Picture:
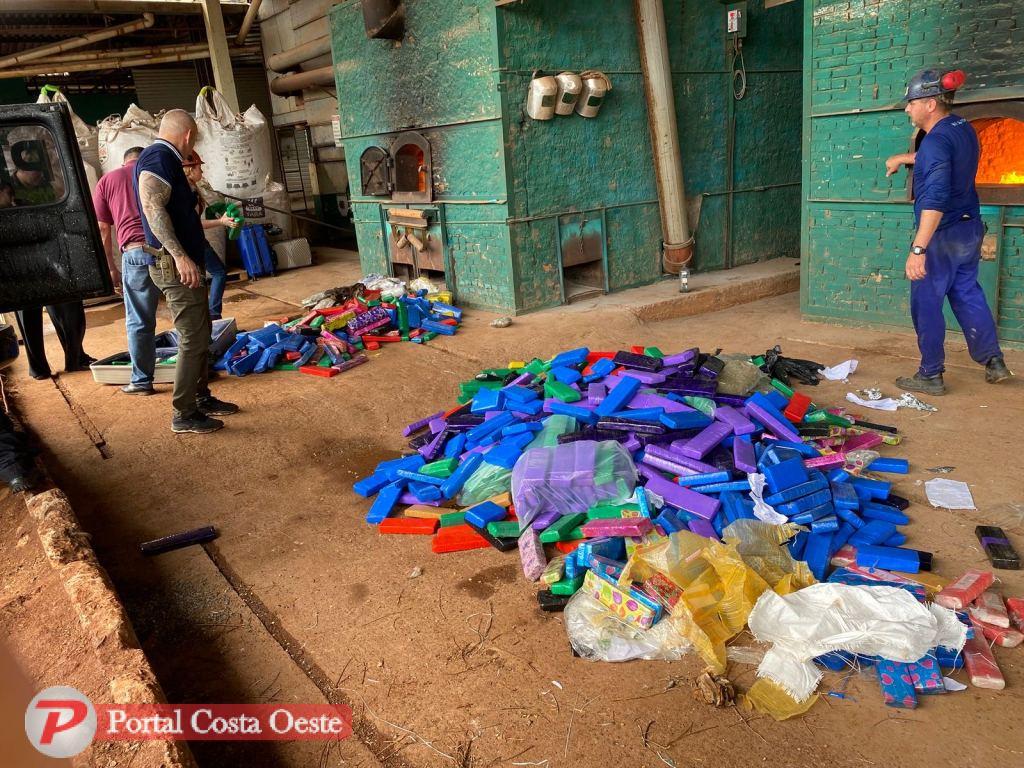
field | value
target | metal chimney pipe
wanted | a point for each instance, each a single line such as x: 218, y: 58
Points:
x: 78, y: 42
x: 678, y: 242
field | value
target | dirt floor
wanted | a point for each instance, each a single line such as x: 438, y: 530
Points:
x: 300, y: 600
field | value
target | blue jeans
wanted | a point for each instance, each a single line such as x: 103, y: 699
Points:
x: 951, y: 264
x: 218, y: 277
x: 140, y: 302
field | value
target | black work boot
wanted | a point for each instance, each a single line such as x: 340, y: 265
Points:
x: 926, y: 385
x: 996, y: 371
x: 209, y: 405
x: 197, y: 422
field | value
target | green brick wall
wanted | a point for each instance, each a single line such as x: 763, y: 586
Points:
x: 461, y: 75
x: 857, y: 224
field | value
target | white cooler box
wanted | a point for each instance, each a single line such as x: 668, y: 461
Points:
x: 292, y: 253
x: 117, y: 369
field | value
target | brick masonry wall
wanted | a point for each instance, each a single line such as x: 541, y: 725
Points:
x: 858, y: 223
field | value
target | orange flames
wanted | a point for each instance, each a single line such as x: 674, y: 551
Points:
x: 1002, y: 150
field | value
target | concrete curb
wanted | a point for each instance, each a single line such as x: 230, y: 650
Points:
x: 103, y: 617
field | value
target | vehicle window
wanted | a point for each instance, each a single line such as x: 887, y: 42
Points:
x: 30, y: 168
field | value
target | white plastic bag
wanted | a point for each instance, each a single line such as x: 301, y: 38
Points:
x: 597, y: 634
x: 117, y: 134
x: 235, y: 148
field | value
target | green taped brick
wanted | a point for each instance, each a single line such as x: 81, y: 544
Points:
x: 560, y: 391
x: 535, y: 366
x: 653, y: 352
x: 442, y: 468
x: 453, y: 518
x: 787, y: 391
x: 567, y: 586
x: 563, y: 529
x: 374, y: 303
x: 758, y: 361
x: 703, y: 404
x: 292, y: 323
x: 827, y: 418
x: 285, y: 367
x: 610, y: 511
x: 317, y: 321
x: 503, y: 529
x: 428, y: 336
x: 325, y: 362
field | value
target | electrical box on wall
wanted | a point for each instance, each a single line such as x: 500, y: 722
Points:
x: 736, y: 19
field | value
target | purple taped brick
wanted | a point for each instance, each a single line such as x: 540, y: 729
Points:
x: 681, y: 465
x: 706, y: 441
x: 546, y: 520
x: 702, y: 528
x: 666, y: 465
x: 679, y: 497
x: 436, y: 425
x: 739, y: 423
x: 430, y: 451
x: 675, y: 451
x: 733, y: 401
x: 633, y: 361
x: 410, y: 498
x: 680, y: 358
x: 777, y: 426
x: 531, y: 554
x: 744, y: 456
x: 596, y: 392
x: 418, y: 425
x: 632, y: 443
x: 648, y: 400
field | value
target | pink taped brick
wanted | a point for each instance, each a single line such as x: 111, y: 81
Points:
x: 828, y: 461
x: 964, y: 590
x: 531, y: 553
x: 862, y: 442
x: 1015, y: 608
x: 981, y: 664
x: 1004, y: 637
x: 989, y: 609
x: 635, y: 526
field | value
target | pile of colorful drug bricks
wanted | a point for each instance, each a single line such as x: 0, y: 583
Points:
x: 326, y: 342
x: 693, y: 447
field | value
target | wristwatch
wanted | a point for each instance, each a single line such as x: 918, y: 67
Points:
x: 918, y: 250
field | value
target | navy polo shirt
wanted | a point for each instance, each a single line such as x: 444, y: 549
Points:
x: 163, y: 160
x: 944, y: 171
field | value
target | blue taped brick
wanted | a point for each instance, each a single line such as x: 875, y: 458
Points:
x: 484, y: 513
x: 875, y: 511
x: 848, y: 516
x: 873, y: 532
x: 841, y: 536
x: 504, y: 456
x: 425, y: 492
x: 735, y: 485
x: 888, y: 558
x: 619, y: 397
x: 640, y: 414
x: 949, y: 658
x: 844, y: 496
x: 461, y: 474
x: 565, y: 375
x: 805, y: 503
x: 704, y: 478
x: 456, y: 446
x: 532, y: 407
x: 871, y: 489
x: 839, y: 475
x: 488, y: 400
x: 417, y: 477
x: 805, y: 450
x: 385, y: 502
x: 785, y: 475
x: 572, y: 357
x: 599, y: 370
x: 837, y: 661
x: 817, y: 553
x: 669, y: 522
x: 817, y: 482
x: 685, y: 420
x: 370, y: 485
x: 584, y: 415
x: 805, y: 516
x: 825, y: 524
x: 798, y: 544
x: 390, y: 468
x: 519, y: 394
x: 896, y: 540
x: 889, y: 464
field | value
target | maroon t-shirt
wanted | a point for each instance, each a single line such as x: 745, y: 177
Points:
x: 115, y: 204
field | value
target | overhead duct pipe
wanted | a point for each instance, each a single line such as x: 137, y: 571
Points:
x: 123, y: 53
x: 78, y: 42
x: 678, y: 242
x: 114, y: 6
x: 287, y: 84
x: 47, y: 68
x: 250, y: 17
x: 293, y: 57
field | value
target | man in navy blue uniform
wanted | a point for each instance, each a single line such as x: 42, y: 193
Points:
x: 175, y: 241
x: 946, y: 250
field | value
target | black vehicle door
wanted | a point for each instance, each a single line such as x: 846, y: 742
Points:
x: 50, y: 247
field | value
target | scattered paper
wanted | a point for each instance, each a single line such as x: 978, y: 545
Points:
x: 951, y: 494
x: 762, y: 509
x: 908, y: 400
x: 953, y: 685
x: 840, y: 372
x: 885, y: 404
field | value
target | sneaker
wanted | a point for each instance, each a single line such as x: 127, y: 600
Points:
x: 211, y: 406
x: 197, y: 422
x: 138, y: 389
x: 926, y: 385
x: 996, y: 371
x: 20, y: 484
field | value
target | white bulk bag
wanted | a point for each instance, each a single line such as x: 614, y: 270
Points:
x: 236, y: 149
x: 117, y: 134
x: 84, y: 133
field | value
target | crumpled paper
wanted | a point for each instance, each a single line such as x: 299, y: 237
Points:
x: 874, y: 621
x: 762, y: 509
x: 951, y: 494
x: 840, y: 372
x: 880, y: 404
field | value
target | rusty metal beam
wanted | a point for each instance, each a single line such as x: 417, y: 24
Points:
x: 169, y: 7
x: 46, y: 68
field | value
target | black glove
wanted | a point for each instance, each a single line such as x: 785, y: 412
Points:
x: 785, y: 368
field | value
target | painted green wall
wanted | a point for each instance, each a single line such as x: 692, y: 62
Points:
x: 461, y: 76
x: 857, y: 223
